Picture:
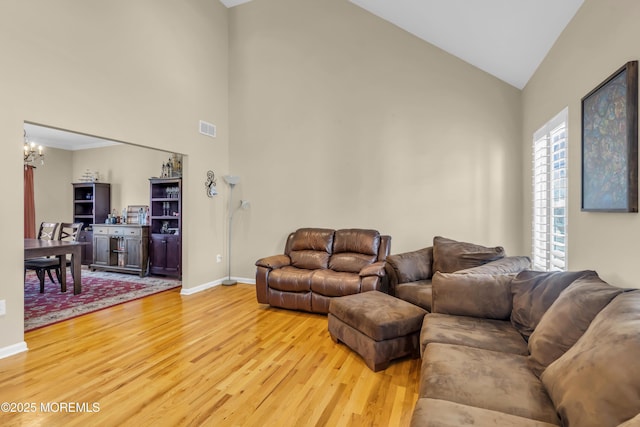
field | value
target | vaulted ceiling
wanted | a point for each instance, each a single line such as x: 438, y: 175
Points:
x: 506, y: 38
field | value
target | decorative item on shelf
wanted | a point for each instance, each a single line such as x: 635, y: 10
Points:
x: 31, y: 154
x: 136, y: 214
x: 176, y: 163
x: 165, y: 227
x: 173, y: 167
x: 210, y: 184
x: 89, y: 176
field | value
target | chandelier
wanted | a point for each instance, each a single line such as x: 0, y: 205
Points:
x: 32, y: 153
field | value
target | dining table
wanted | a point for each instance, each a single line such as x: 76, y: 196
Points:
x: 35, y: 248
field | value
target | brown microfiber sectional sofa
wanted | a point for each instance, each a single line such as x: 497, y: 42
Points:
x: 534, y: 349
x: 410, y: 273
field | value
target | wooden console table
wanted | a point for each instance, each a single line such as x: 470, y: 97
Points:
x: 121, y: 247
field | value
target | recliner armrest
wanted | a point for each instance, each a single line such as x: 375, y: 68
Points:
x: 274, y: 261
x: 375, y: 269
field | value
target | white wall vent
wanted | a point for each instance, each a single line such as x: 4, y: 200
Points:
x: 207, y: 129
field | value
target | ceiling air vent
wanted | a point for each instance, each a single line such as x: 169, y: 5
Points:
x: 207, y: 129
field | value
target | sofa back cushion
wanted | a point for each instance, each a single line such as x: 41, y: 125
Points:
x: 354, y: 249
x: 567, y: 319
x: 310, y: 248
x: 597, y: 381
x: 450, y: 256
x: 534, y: 292
x: 506, y: 265
x: 475, y: 295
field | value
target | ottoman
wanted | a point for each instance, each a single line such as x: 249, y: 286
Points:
x: 377, y: 326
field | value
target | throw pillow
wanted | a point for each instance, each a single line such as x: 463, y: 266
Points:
x: 534, y: 292
x: 450, y: 255
x: 474, y: 295
x: 567, y: 319
x: 597, y: 381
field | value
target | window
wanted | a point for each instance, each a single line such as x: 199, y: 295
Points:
x: 549, y: 228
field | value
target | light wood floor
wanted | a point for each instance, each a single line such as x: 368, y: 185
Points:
x: 215, y: 358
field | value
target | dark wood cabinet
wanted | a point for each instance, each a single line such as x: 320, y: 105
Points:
x: 91, y: 205
x: 164, y: 256
x: 165, y: 223
x: 121, y: 247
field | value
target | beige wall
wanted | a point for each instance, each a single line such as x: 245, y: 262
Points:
x: 339, y: 119
x: 602, y: 37
x: 126, y: 167
x: 52, y: 187
x: 141, y: 72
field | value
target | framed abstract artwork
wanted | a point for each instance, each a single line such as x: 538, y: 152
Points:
x: 610, y: 143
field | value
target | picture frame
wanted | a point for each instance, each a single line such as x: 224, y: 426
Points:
x: 610, y: 143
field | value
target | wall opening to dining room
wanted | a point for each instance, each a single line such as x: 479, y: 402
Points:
x: 72, y: 157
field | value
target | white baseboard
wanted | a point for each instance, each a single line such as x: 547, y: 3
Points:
x: 205, y: 286
x: 13, y: 349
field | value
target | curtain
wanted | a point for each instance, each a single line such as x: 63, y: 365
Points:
x: 29, y: 204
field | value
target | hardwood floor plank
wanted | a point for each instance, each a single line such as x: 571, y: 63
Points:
x: 214, y: 358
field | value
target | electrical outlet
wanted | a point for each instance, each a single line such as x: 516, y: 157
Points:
x: 219, y: 258
x: 3, y: 307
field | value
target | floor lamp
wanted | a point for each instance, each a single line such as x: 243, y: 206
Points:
x: 232, y: 180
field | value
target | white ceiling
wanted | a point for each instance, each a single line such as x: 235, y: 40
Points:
x: 506, y: 38
x: 62, y: 139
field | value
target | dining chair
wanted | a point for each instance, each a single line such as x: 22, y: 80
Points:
x: 69, y: 232
x: 47, y: 231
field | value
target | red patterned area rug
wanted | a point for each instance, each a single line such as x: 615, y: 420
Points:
x: 99, y: 290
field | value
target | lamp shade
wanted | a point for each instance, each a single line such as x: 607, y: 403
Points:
x: 231, y: 179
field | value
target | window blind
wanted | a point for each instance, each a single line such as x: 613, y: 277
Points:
x: 549, y: 219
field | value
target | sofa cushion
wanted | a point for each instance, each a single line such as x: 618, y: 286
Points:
x: 442, y: 413
x: 450, y: 255
x: 310, y: 248
x: 418, y: 293
x: 597, y: 381
x: 310, y: 260
x: 485, y: 379
x: 291, y: 279
x: 350, y: 262
x: 506, y: 265
x: 534, y: 292
x: 567, y: 319
x: 412, y: 266
x: 476, y: 295
x: 315, y: 239
x: 496, y: 335
x: 334, y: 283
x: 357, y: 240
x: 354, y: 249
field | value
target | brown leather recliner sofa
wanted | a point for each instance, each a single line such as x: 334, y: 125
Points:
x: 410, y: 274
x: 319, y: 264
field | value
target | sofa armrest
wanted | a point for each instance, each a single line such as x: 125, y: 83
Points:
x: 485, y: 296
x: 409, y: 267
x: 274, y: 261
x: 375, y: 269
